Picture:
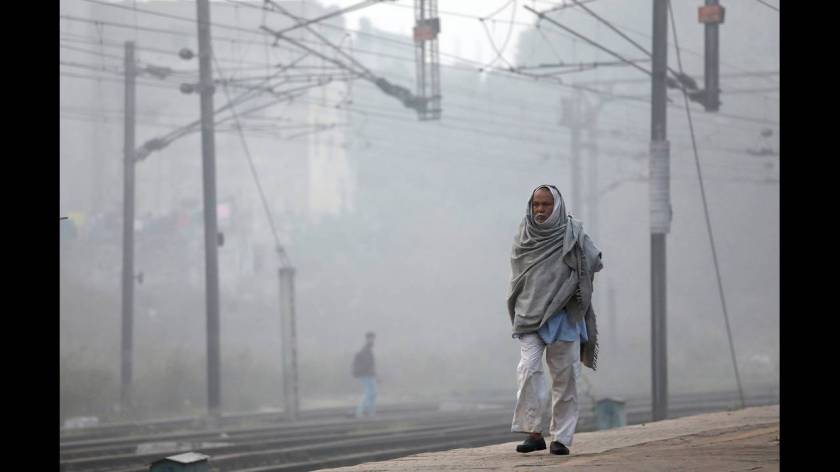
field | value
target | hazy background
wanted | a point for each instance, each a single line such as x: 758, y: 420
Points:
x: 403, y: 226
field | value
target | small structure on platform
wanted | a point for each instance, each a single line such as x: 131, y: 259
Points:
x: 610, y: 413
x: 186, y: 462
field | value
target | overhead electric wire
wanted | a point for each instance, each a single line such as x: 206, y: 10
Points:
x: 571, y: 68
x: 88, y: 51
x: 547, y: 41
x: 686, y: 50
x: 297, y: 66
x: 365, y: 71
x: 195, y: 72
x: 114, y: 70
x: 278, y: 97
x: 115, y: 80
x: 579, y: 64
x: 264, y: 88
x: 750, y: 91
x: 543, y: 16
x: 384, y: 112
x: 736, y: 75
x: 768, y: 5
x: 387, y: 116
x: 400, y: 146
x: 499, y: 51
x: 279, y: 248
x: 565, y: 5
x: 504, y: 124
x: 499, y: 72
x: 193, y: 126
x: 307, y: 22
x: 237, y: 28
x: 171, y: 16
x: 677, y: 75
x: 143, y: 67
x: 173, y: 32
x: 383, y: 137
x: 115, y: 45
x: 639, y: 99
x: 485, y: 127
x: 467, y: 16
x: 619, y: 32
x: 477, y: 64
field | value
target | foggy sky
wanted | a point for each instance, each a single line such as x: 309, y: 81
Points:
x: 405, y: 227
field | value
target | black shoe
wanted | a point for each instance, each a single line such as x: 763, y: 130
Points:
x: 530, y: 445
x: 558, y: 448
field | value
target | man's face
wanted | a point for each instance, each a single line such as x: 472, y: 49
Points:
x: 370, y: 340
x: 542, y: 205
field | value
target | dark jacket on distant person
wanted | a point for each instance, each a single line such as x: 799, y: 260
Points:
x: 363, y: 363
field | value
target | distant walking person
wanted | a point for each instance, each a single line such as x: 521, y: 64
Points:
x: 553, y: 266
x: 363, y: 369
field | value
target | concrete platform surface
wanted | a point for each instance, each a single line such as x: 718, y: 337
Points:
x: 742, y: 440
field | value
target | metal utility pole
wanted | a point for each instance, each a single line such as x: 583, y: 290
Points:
x: 99, y: 194
x: 711, y: 15
x: 288, y: 336
x: 572, y: 119
x: 613, y: 316
x: 592, y: 145
x: 211, y: 236
x: 592, y: 200
x: 128, y: 231
x: 577, y: 182
x: 660, y: 209
x: 578, y: 115
x: 427, y: 57
x: 594, y: 189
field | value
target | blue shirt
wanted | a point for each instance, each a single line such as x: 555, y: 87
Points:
x: 559, y: 328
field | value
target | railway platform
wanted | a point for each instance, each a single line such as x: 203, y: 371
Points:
x: 746, y: 439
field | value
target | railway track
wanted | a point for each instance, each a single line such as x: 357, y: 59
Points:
x: 160, y: 426
x: 320, y: 442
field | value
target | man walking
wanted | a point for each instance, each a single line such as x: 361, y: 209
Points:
x: 363, y: 369
x: 553, y: 266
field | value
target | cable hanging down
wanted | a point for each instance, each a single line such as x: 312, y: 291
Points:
x: 768, y: 5
x: 279, y: 247
x: 499, y: 51
x: 706, y: 213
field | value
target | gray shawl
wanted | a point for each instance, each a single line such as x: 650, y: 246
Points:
x: 553, y: 266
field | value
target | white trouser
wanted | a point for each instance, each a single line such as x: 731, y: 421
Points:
x: 532, y: 398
